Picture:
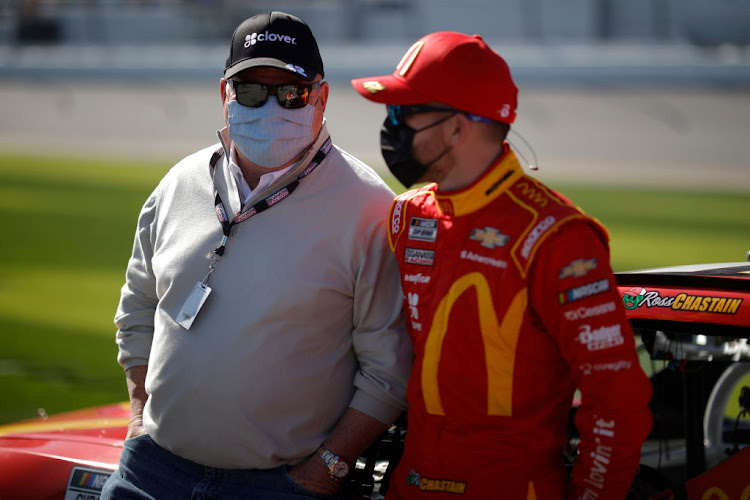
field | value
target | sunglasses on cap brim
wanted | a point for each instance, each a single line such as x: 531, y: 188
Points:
x: 289, y: 95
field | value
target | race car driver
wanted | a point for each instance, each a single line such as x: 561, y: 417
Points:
x: 510, y: 300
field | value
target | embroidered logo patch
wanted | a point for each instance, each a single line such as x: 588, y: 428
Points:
x: 600, y: 338
x: 578, y: 268
x: 489, y: 237
x: 535, y: 234
x: 423, y: 229
x: 398, y: 208
x: 419, y: 256
x: 583, y: 291
x: 373, y: 87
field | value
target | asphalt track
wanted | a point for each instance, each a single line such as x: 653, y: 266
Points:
x: 664, y: 136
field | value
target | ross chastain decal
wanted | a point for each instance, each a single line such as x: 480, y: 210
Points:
x: 583, y: 291
x: 577, y: 268
x: 641, y: 297
x: 435, y: 485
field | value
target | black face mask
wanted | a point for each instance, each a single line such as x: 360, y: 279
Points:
x: 396, y: 144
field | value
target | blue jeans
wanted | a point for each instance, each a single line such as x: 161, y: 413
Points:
x: 148, y: 471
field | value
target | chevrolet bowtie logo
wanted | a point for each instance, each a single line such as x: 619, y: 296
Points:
x: 578, y: 268
x: 489, y: 237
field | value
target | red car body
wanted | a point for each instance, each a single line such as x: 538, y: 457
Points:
x: 66, y: 456
x: 711, y: 298
x: 70, y: 455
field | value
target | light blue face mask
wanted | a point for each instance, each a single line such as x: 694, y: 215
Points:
x: 270, y: 136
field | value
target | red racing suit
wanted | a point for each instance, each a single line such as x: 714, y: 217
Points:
x: 511, y: 305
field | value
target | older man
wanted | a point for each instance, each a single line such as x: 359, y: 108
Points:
x: 260, y: 324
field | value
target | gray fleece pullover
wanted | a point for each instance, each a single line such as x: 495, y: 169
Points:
x: 304, y: 318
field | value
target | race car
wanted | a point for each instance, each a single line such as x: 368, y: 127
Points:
x: 694, y: 324
x: 695, y: 320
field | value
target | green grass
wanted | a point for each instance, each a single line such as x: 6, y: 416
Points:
x: 661, y: 227
x: 68, y: 230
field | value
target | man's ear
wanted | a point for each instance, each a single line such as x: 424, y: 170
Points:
x: 459, y: 132
x: 324, y: 88
x: 223, y: 89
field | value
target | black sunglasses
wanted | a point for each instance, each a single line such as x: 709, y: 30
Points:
x: 290, y: 95
x: 398, y: 112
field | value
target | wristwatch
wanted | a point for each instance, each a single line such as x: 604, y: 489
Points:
x: 337, y: 468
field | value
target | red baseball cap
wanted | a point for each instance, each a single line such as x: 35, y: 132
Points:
x: 455, y: 69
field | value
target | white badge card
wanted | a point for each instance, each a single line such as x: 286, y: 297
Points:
x: 193, y: 305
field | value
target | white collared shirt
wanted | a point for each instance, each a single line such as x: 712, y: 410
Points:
x: 242, y: 185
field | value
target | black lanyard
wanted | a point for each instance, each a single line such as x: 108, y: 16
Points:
x: 201, y: 290
x: 264, y: 204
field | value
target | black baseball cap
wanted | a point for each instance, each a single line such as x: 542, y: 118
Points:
x: 275, y: 39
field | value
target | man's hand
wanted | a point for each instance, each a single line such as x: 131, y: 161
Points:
x: 135, y: 379
x: 312, y: 474
x: 349, y: 439
x: 135, y: 426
